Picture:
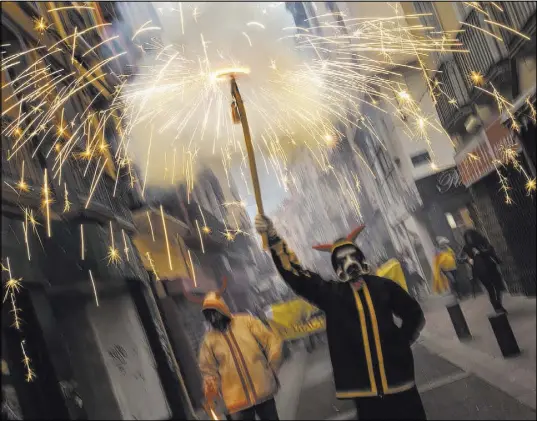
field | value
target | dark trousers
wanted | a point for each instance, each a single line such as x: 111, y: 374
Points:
x: 494, y: 288
x: 399, y: 406
x: 453, y: 282
x: 264, y: 411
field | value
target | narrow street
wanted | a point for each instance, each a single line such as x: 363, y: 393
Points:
x: 448, y: 392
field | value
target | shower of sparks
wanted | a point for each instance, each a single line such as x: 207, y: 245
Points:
x: 25, y: 230
x: 533, y: 112
x: 46, y: 201
x: 477, y: 78
x: 67, y: 204
x: 508, y: 28
x: 152, y: 264
x: 22, y: 186
x: 166, y: 238
x: 205, y: 228
x: 144, y: 28
x: 504, y: 182
x: 510, y: 156
x: 30, y: 374
x: 12, y: 285
x: 82, y: 244
x: 113, y: 253
x: 343, y: 83
x: 40, y: 25
x: 531, y: 185
x: 193, y: 269
x: 125, y: 246
x: 201, y: 237
x: 151, y: 226
x: 147, y: 164
x: 228, y: 235
x: 94, y: 288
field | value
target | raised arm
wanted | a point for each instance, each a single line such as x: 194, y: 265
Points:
x: 308, y: 285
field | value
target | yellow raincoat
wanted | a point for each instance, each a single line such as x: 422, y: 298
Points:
x: 443, y: 261
x: 392, y: 270
x: 240, y: 364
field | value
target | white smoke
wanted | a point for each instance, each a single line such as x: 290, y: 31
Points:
x: 236, y: 34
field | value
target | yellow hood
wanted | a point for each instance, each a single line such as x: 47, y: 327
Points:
x: 214, y: 302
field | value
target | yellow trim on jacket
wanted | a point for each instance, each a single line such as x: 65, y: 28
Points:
x: 386, y: 389
x: 367, y: 348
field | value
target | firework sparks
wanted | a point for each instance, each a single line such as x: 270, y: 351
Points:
x: 150, y: 226
x: 94, y: 288
x: 46, y: 201
x: 166, y: 238
x: 30, y: 374
x: 201, y: 237
x: 192, y: 268
x: 12, y: 285
x: 113, y: 253
x: 66, y: 204
x: 152, y: 264
x: 25, y: 230
x: 125, y: 246
x: 22, y: 186
x: 82, y: 244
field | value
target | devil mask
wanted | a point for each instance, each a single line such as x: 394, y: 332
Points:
x: 347, y: 259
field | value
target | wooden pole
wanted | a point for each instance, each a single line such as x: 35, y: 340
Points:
x: 250, y: 151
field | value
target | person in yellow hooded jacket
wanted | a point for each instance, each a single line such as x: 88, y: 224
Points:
x: 445, y: 268
x: 239, y: 360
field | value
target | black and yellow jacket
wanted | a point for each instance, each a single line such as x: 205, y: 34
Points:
x: 370, y: 354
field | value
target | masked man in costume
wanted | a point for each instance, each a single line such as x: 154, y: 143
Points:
x: 371, y: 356
x: 239, y: 359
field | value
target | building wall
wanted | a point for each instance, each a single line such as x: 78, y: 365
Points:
x: 128, y: 359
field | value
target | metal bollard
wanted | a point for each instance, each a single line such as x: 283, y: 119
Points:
x: 504, y: 335
x: 459, y: 322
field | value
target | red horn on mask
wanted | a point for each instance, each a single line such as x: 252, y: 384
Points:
x: 324, y: 247
x: 352, y: 236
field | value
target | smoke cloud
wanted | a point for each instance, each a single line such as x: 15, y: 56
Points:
x: 223, y: 34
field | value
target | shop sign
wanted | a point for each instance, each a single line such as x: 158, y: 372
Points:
x: 448, y: 180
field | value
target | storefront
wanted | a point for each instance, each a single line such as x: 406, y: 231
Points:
x: 507, y: 217
x: 448, y: 211
x: 447, y: 206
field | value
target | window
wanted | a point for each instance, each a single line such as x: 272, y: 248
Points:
x: 421, y: 159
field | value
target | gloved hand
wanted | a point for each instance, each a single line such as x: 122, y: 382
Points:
x: 264, y: 225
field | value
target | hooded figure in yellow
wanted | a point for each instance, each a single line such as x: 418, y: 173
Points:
x: 239, y: 359
x: 445, y: 267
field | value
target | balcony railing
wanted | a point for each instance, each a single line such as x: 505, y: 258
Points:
x: 516, y: 15
x: 481, y: 57
x: 452, y: 94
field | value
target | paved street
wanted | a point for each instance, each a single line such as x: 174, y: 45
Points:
x: 457, y: 381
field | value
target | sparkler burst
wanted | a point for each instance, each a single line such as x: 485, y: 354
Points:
x: 298, y: 84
